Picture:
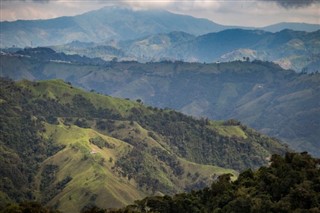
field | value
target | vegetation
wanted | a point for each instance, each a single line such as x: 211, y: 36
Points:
x: 67, y: 148
x: 289, y: 184
x: 30, y: 207
x: 277, y: 102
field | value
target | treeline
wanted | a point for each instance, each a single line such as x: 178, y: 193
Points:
x: 21, y: 146
x: 289, y: 184
x: 196, y: 140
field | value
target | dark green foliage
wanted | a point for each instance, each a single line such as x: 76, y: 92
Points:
x: 232, y: 122
x: 52, y: 120
x: 27, y: 207
x: 92, y: 209
x: 290, y: 184
x: 101, y: 143
x: 54, y: 189
x: 195, y: 140
x: 82, y: 106
x: 169, y: 159
x: 134, y: 165
x: 48, y: 175
x: 47, y: 185
x: 82, y: 122
x: 21, y: 147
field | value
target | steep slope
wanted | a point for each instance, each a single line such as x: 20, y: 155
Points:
x: 154, y: 47
x: 118, y: 23
x: 289, y: 184
x: 105, y: 50
x: 278, y: 102
x: 68, y: 148
x: 149, y: 48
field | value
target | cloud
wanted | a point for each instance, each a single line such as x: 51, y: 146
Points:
x: 293, y: 3
x: 37, y: 1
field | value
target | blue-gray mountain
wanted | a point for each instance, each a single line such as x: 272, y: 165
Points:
x: 292, y: 26
x: 290, y: 49
x: 101, y: 25
x: 118, y: 23
x: 278, y: 102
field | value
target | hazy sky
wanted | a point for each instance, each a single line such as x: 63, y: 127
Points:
x: 229, y: 12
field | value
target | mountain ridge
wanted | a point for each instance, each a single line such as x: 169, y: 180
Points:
x: 111, y: 23
x: 290, y: 49
x: 101, y: 25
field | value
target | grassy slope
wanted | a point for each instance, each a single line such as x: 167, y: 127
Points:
x: 89, y: 166
x: 228, y: 131
x: 92, y: 173
x: 90, y: 169
x: 95, y: 178
x: 59, y: 90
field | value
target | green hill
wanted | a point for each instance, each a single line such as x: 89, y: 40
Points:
x: 289, y: 184
x: 68, y: 148
x: 262, y: 95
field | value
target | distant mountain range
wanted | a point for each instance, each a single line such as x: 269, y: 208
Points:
x: 117, y: 23
x: 278, y: 102
x: 295, y: 50
x: 101, y: 25
x: 292, y: 26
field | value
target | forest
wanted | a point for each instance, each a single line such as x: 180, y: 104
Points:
x: 290, y: 184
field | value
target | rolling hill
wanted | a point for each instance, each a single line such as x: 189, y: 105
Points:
x: 284, y: 186
x: 68, y: 148
x: 280, y: 103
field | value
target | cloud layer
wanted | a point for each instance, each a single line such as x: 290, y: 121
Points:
x: 294, y: 3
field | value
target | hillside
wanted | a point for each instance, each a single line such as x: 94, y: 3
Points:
x: 280, y: 103
x: 68, y: 148
x: 289, y: 184
x: 290, y: 49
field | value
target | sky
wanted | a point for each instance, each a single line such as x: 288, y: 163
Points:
x: 254, y: 13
